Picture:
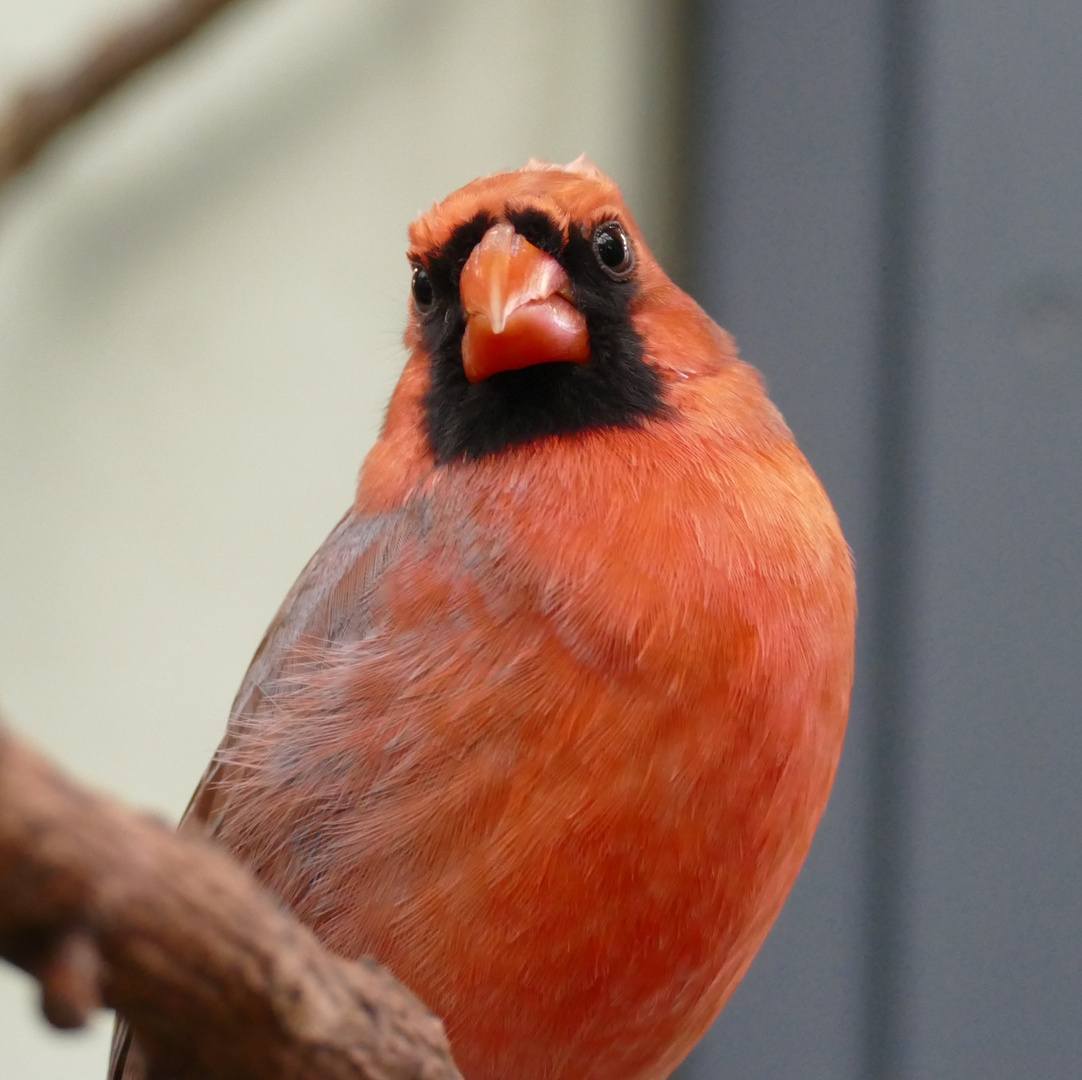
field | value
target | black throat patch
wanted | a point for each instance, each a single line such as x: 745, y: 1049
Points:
x: 617, y: 388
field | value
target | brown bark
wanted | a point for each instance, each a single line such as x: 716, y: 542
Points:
x: 39, y: 113
x: 106, y: 906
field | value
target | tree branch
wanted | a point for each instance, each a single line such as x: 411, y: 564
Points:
x: 103, y: 905
x: 38, y: 114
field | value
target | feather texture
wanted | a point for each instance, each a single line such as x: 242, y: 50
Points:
x: 548, y: 731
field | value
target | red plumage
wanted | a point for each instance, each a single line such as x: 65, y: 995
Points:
x: 547, y: 730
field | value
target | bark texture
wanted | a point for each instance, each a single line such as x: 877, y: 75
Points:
x: 105, y: 906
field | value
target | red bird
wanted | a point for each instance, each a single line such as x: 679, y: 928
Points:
x: 548, y: 722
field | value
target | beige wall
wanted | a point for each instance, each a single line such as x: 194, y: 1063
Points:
x: 201, y: 297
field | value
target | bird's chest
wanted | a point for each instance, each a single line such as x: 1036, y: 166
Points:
x: 607, y: 877
x: 576, y: 772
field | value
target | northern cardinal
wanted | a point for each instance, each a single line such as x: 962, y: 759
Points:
x: 547, y: 723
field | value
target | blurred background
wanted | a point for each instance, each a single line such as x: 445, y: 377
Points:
x: 202, y: 291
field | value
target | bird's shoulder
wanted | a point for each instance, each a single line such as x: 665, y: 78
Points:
x: 329, y: 603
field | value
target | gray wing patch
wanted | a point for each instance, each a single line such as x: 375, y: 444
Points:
x: 330, y: 602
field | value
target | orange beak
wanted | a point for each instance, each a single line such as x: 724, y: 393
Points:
x: 519, y: 308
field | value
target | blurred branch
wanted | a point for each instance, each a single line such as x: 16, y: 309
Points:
x: 105, y: 906
x: 39, y: 113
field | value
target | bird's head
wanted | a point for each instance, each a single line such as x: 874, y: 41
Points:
x: 531, y: 312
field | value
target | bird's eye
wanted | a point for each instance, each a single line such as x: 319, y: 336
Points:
x: 423, y: 295
x: 613, y: 250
